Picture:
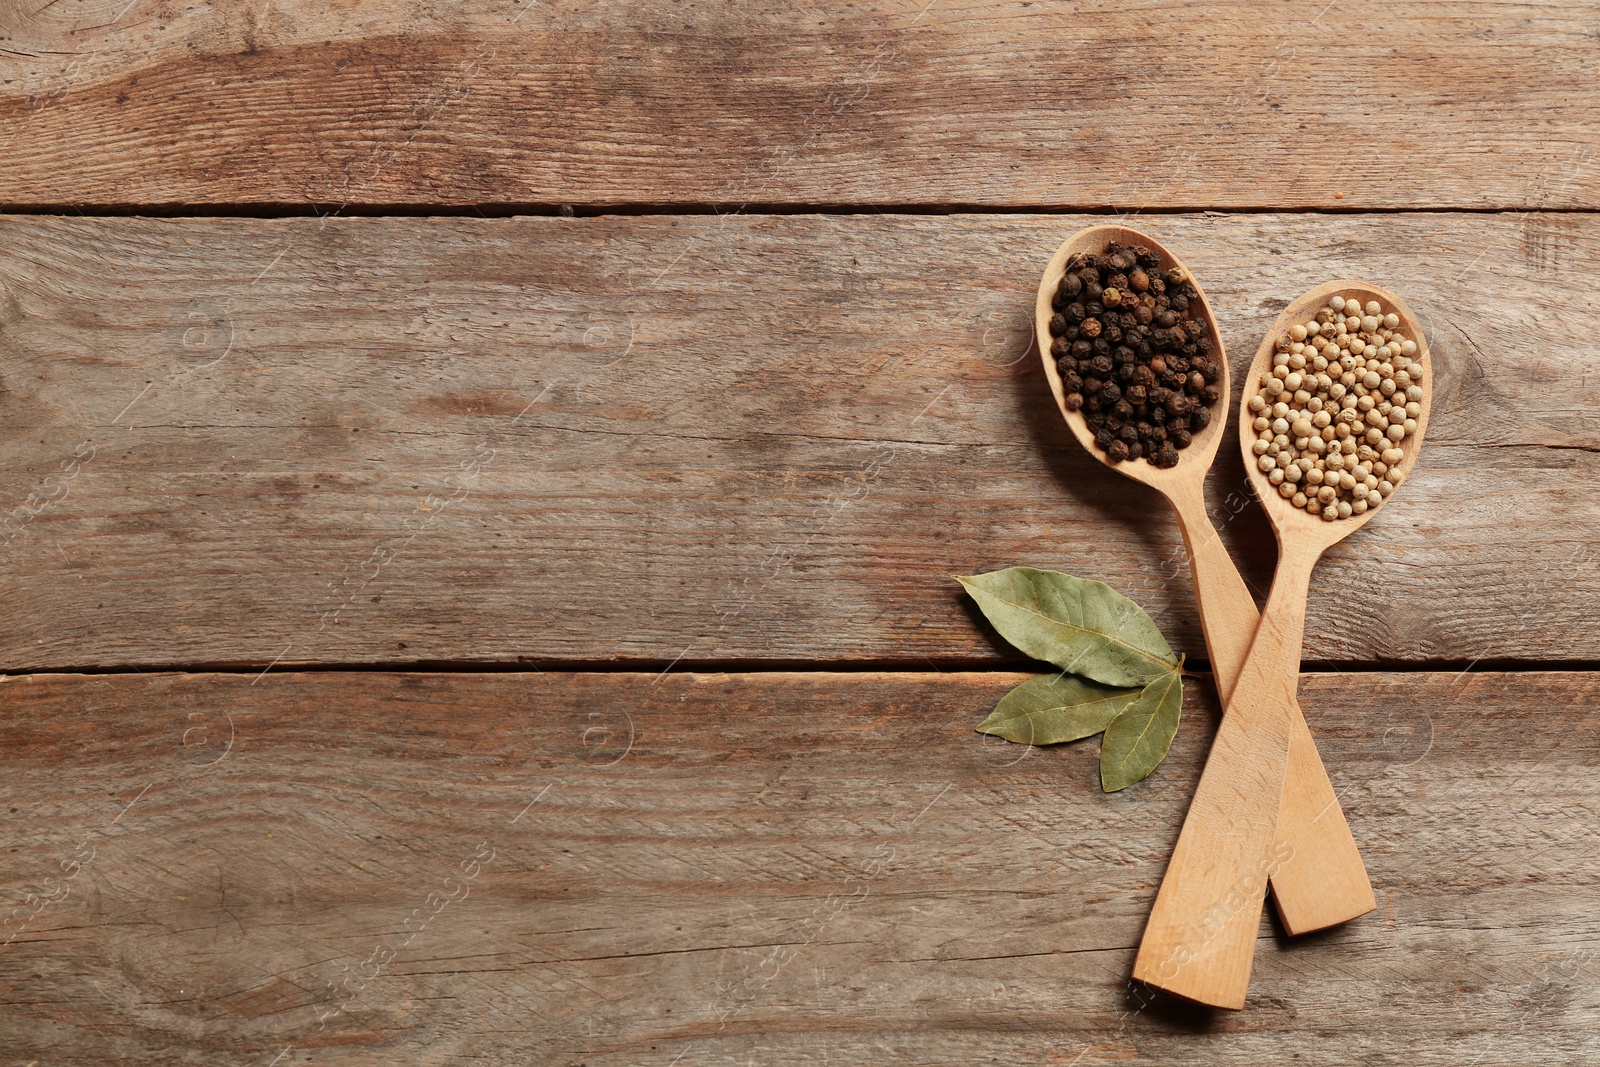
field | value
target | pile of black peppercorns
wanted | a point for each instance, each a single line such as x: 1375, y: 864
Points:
x: 1143, y: 372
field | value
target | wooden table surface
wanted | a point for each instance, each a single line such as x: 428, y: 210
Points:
x: 479, y: 485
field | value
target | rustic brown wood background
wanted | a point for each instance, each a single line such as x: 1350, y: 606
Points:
x: 479, y: 485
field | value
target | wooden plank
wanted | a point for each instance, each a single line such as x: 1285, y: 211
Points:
x: 777, y: 868
x: 403, y: 440
x: 1437, y: 104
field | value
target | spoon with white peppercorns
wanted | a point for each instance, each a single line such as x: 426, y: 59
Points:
x: 1345, y: 403
x: 1327, y: 883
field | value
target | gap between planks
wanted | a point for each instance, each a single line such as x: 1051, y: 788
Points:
x: 1193, y: 667
x: 515, y: 209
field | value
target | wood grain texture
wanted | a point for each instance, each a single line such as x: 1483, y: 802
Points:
x: 1438, y: 104
x: 224, y: 441
x: 733, y: 868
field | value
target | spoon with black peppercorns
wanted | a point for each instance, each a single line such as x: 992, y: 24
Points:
x: 1158, y: 340
x: 1336, y: 406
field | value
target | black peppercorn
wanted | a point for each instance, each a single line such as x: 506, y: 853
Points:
x: 1130, y: 358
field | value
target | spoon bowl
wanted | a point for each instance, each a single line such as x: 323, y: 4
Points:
x: 1200, y: 453
x: 1312, y: 531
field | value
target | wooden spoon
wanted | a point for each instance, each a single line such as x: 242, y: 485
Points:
x: 1325, y: 882
x: 1200, y: 940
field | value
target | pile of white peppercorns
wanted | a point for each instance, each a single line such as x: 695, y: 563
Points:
x: 1343, y: 393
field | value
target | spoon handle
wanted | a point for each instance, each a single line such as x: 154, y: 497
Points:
x: 1325, y: 883
x: 1201, y: 938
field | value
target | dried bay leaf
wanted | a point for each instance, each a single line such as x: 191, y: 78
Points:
x: 1055, y: 708
x: 1082, y: 626
x: 1138, y: 739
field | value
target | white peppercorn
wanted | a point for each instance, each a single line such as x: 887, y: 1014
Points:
x: 1343, y: 394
